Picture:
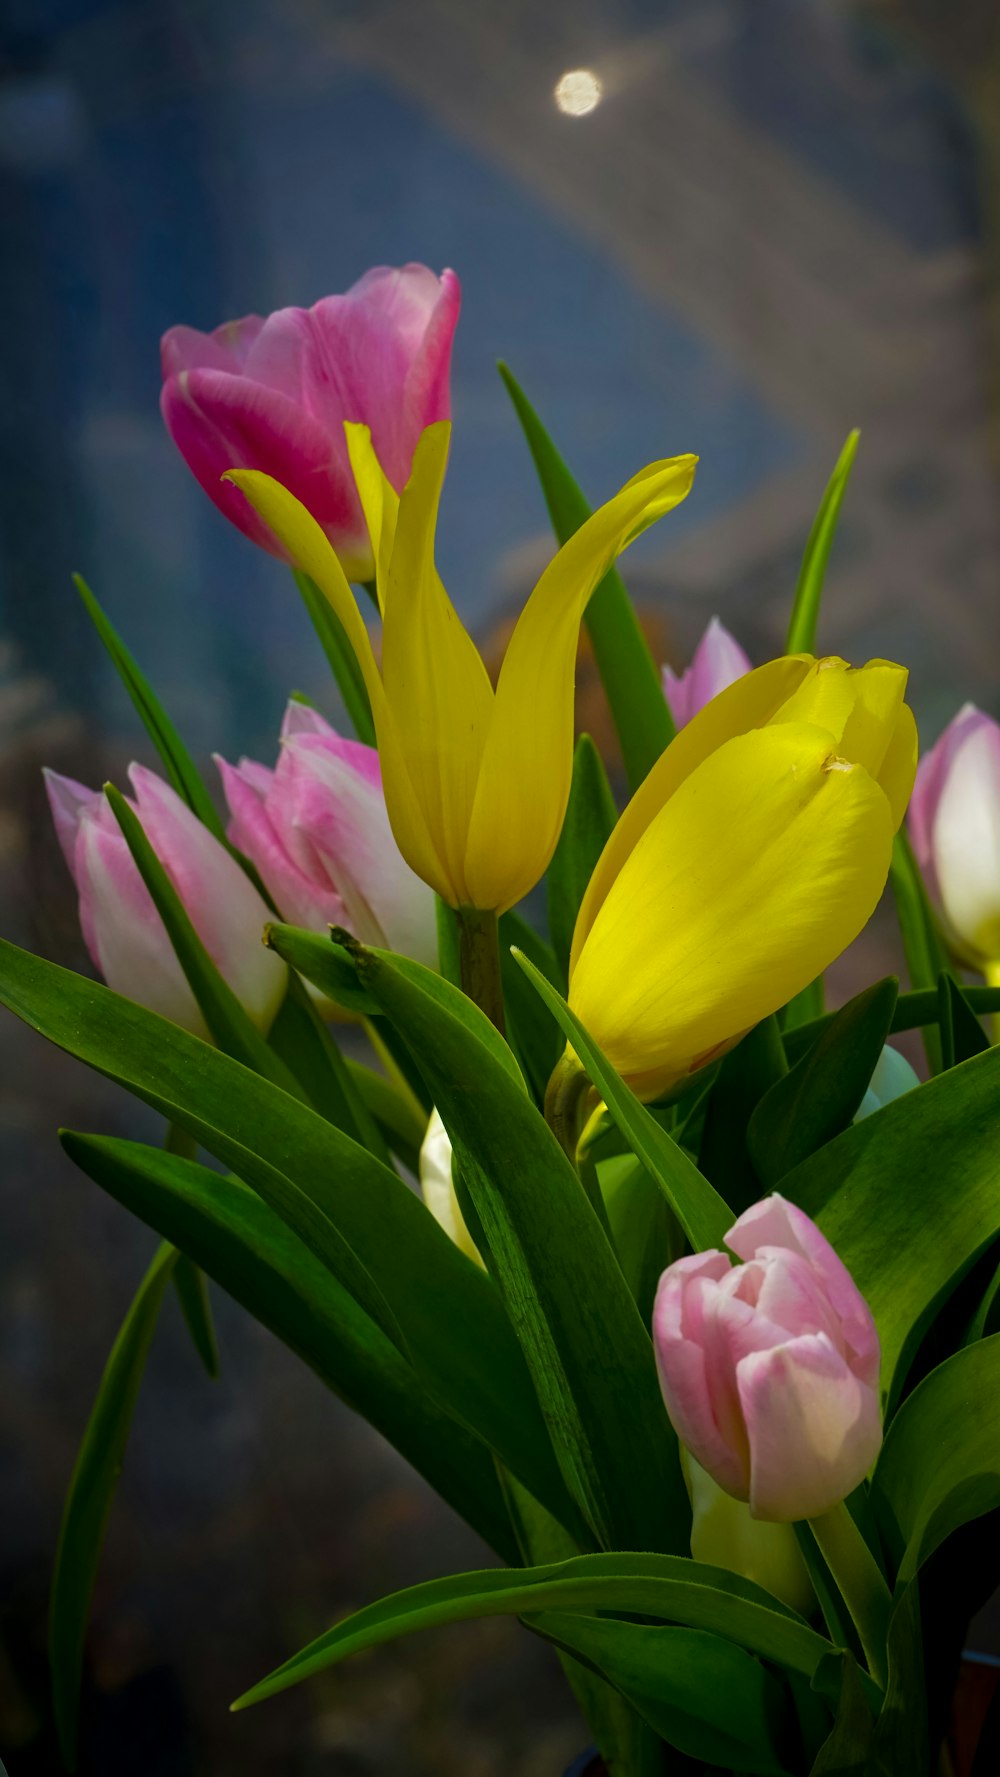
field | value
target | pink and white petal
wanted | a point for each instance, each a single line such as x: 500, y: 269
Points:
x: 68, y: 802
x: 306, y: 724
x: 672, y: 1313
x: 814, y: 1428
x: 966, y: 839
x: 684, y: 1386
x: 186, y: 348
x: 427, y: 394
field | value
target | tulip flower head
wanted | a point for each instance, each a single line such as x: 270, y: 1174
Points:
x: 273, y: 394
x: 317, y: 831
x: 954, y: 827
x: 122, y: 930
x: 770, y: 1368
x: 751, y: 856
x: 718, y: 661
x: 476, y: 782
x: 437, y: 1187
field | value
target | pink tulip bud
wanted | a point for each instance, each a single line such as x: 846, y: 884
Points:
x: 718, y: 661
x: 317, y: 830
x: 954, y: 824
x: 770, y: 1369
x: 123, y: 932
x: 274, y: 394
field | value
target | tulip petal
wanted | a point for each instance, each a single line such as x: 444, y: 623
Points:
x: 745, y: 705
x: 682, y: 1366
x: 303, y: 899
x: 898, y: 769
x: 718, y: 661
x: 435, y: 682
x: 761, y: 868
x: 814, y: 1428
x: 527, y: 762
x: 966, y: 840
x: 379, y: 502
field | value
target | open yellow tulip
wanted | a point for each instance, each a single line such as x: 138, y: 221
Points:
x: 476, y: 782
x: 751, y: 856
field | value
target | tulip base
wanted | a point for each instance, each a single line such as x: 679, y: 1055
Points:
x: 479, y: 962
x: 860, y: 1580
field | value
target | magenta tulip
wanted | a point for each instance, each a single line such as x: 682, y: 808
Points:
x: 718, y: 661
x: 123, y: 932
x: 274, y: 394
x: 317, y: 830
x: 954, y: 823
x: 770, y: 1368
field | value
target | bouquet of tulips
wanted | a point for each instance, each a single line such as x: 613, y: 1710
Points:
x: 680, y: 1289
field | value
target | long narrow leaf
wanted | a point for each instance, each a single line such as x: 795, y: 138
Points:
x: 812, y: 574
x: 628, y: 672
x: 177, y: 761
x: 590, y: 817
x: 90, y: 1494
x: 913, y: 1012
x: 926, y: 958
x: 703, y: 1214
x: 340, y: 657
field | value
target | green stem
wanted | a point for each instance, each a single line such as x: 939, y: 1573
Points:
x: 992, y: 974
x: 860, y: 1580
x: 479, y: 962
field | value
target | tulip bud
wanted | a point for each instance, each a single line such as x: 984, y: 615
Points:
x: 892, y: 1077
x: 123, y: 932
x: 718, y: 661
x: 954, y: 825
x: 438, y: 1189
x: 317, y: 830
x: 274, y: 394
x: 723, y: 1534
x: 770, y: 1368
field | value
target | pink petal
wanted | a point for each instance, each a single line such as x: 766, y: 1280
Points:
x: 718, y: 662
x: 698, y: 1392
x: 814, y: 1428
x: 302, y: 898
x: 184, y: 348
x: 68, y: 801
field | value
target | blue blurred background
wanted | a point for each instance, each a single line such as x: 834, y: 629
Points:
x: 776, y: 225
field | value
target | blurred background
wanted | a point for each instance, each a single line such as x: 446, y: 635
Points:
x: 778, y: 221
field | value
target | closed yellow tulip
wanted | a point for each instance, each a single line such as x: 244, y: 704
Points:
x: 476, y: 782
x: 751, y: 856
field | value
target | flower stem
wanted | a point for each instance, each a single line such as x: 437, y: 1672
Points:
x: 992, y: 974
x: 860, y: 1580
x: 479, y: 962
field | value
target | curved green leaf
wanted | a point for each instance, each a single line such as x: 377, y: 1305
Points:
x: 631, y: 679
x: 340, y: 657
x: 913, y: 1011
x: 672, y: 1588
x: 91, y: 1491
x: 705, y: 1216
x: 819, y: 1097
x: 590, y: 817
x: 590, y: 1357
x: 940, y: 1463
x: 926, y: 958
x: 358, y: 1215
x: 266, y: 1268
x: 812, y: 574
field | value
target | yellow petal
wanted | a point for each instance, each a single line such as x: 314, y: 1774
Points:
x: 528, y: 759
x: 435, y: 682
x: 379, y: 501
x: 745, y: 705
x: 311, y: 549
x: 858, y: 705
x: 899, y: 767
x: 760, y: 869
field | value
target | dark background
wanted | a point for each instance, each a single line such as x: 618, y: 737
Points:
x: 778, y: 224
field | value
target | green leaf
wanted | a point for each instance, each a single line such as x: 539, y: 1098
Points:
x: 258, y: 1261
x: 590, y: 817
x: 705, y: 1216
x: 301, y: 1040
x: 362, y: 1221
x: 229, y: 1024
x: 531, y: 1030
x: 805, y: 1006
x: 901, y: 1741
x: 91, y: 1491
x: 180, y: 768
x: 962, y: 1035
x: 812, y: 574
x: 823, y: 1091
x: 192, y: 1294
x: 907, y: 1223
x: 702, y: 1693
x: 913, y: 1011
x: 926, y: 957
x: 340, y: 657
x: 747, y: 1073
x: 402, y: 1123
x: 646, y: 1233
x: 940, y: 1463
x: 669, y: 1587
x: 630, y: 677
x: 844, y: 1752
x: 590, y: 1357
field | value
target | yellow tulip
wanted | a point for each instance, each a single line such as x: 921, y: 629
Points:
x: 476, y: 781
x: 751, y: 856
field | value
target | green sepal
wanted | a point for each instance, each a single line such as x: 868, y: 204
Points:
x: 631, y: 679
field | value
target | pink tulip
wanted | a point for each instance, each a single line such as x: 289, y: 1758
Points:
x: 317, y: 830
x: 954, y: 823
x: 770, y: 1369
x: 718, y: 661
x: 121, y: 927
x: 274, y: 394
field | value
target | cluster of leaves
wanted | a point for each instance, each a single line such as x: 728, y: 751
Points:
x: 526, y: 1393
